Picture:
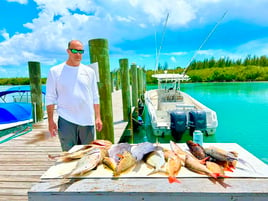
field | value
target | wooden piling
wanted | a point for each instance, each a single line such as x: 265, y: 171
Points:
x: 112, y: 81
x: 125, y: 89
x: 140, y: 85
x: 117, y: 81
x: 134, y: 85
x: 99, y: 52
x: 144, y: 81
x: 36, y: 90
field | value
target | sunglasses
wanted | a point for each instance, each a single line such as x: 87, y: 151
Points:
x: 75, y: 51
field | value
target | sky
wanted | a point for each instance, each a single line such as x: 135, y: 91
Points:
x: 146, y: 32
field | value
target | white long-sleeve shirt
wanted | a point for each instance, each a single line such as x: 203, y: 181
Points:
x: 74, y: 90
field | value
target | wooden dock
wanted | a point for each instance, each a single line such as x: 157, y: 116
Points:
x: 25, y: 158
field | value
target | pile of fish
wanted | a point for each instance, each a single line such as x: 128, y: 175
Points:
x: 123, y: 157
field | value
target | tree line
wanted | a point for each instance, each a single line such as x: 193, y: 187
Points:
x: 252, y: 68
x: 227, y: 62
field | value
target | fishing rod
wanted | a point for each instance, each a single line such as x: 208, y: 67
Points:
x: 206, y: 39
x: 161, y: 43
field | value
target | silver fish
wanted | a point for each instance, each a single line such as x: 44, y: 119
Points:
x: 156, y: 159
x: 141, y: 149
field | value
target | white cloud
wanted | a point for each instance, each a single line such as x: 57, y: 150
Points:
x: 4, y: 34
x: 254, y: 47
x: 19, y: 1
x: 173, y: 59
x: 125, y: 19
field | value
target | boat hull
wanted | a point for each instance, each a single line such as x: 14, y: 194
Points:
x: 160, y: 110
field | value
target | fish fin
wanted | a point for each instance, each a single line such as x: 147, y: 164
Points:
x: 229, y: 169
x: 157, y: 171
x: 120, y: 156
x: 222, y: 176
x: 203, y: 161
x: 215, y: 175
x: 246, y: 164
x: 53, y: 157
x: 173, y: 180
x: 153, y: 172
x: 218, y: 175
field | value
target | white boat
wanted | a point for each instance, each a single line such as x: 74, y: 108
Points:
x: 173, y: 112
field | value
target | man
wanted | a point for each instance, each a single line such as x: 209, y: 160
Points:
x: 73, y: 88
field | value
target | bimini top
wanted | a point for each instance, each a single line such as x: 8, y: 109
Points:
x: 12, y: 112
x: 17, y: 89
x: 15, y: 112
x: 169, y: 76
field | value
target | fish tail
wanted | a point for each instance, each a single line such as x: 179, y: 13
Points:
x: 222, y: 175
x: 115, y: 174
x: 246, y: 163
x: 51, y: 157
x: 173, y: 180
x: 215, y: 175
x: 156, y: 171
x: 229, y: 169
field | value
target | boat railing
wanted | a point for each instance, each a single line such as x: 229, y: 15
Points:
x: 170, y: 96
x: 186, y: 106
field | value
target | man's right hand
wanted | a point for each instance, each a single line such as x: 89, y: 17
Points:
x: 53, y: 128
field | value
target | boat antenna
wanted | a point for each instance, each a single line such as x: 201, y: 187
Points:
x: 161, y: 44
x: 206, y: 39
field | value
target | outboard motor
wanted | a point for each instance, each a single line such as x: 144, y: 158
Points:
x: 178, y: 123
x: 197, y: 121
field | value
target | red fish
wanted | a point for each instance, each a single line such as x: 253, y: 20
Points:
x: 174, y: 164
x: 197, y: 150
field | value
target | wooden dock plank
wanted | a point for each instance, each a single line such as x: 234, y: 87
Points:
x: 19, y: 185
x: 16, y: 167
x: 13, y: 198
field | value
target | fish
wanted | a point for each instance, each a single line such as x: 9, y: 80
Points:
x: 125, y: 163
x: 156, y: 159
x: 110, y: 163
x: 79, y: 153
x: 69, y: 156
x: 220, y: 154
x: 218, y: 169
x: 117, y: 150
x: 102, y: 143
x: 141, y: 149
x: 197, y: 150
x: 87, y: 163
x: 226, y: 156
x: 194, y: 165
x: 178, y: 151
x: 173, y: 167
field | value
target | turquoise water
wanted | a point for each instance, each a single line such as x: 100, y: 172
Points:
x: 242, y: 111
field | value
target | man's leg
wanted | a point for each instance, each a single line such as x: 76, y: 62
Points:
x: 86, y: 134
x: 67, y: 134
